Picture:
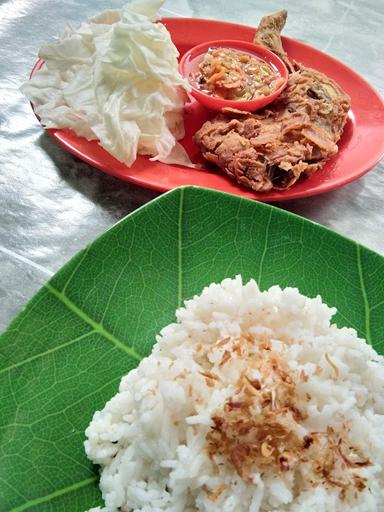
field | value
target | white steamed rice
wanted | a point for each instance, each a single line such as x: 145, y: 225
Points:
x: 150, y: 439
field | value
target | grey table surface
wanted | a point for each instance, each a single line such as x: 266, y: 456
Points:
x: 52, y: 204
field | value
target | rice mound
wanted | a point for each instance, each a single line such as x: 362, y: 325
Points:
x: 251, y: 401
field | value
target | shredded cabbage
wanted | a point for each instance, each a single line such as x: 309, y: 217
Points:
x: 115, y: 79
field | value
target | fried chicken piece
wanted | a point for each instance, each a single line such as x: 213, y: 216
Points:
x: 291, y: 137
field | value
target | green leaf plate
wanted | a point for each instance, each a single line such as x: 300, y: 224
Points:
x: 63, y: 356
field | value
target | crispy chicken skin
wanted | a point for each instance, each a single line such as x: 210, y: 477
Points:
x: 268, y: 34
x: 290, y: 138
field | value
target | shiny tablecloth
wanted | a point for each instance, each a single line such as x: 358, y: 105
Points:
x: 52, y: 204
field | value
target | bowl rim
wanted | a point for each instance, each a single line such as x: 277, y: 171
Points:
x: 259, y: 51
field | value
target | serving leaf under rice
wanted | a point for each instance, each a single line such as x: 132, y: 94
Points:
x: 251, y: 401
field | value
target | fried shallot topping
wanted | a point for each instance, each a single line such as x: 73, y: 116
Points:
x: 261, y: 427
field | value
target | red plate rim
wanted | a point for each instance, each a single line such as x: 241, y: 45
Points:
x: 60, y: 136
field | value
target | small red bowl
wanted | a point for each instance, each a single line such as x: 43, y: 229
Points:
x: 192, y: 58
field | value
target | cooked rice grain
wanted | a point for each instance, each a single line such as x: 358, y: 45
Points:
x: 251, y: 401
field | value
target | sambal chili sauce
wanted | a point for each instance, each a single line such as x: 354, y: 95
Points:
x: 234, y: 75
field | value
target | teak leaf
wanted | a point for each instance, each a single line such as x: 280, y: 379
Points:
x: 63, y: 356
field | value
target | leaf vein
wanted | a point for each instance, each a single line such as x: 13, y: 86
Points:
x: 50, y: 351
x: 180, y: 250
x: 377, y: 305
x: 81, y: 259
x: 348, y: 321
x: 367, y: 309
x: 72, y: 405
x: 117, y: 281
x: 265, y: 248
x: 54, y: 494
x: 98, y: 327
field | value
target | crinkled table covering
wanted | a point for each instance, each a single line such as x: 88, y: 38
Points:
x: 52, y: 204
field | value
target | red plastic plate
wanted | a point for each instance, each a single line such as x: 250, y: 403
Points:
x: 360, y: 148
